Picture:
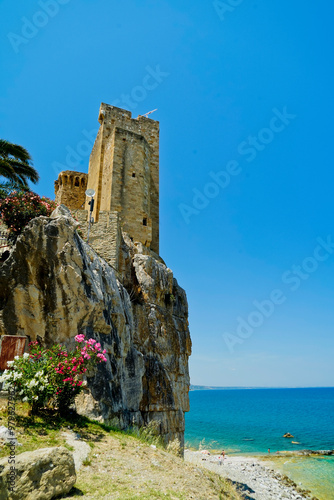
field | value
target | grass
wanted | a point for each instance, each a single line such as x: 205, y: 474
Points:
x: 121, y: 465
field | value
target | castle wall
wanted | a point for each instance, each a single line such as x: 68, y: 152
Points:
x: 95, y: 173
x: 131, y: 184
x: 104, y: 236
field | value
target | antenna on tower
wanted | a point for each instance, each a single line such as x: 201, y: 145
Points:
x: 146, y: 114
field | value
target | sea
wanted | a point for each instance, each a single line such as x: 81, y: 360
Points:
x: 252, y: 421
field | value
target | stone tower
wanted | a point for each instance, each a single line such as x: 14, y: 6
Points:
x: 124, y: 173
x: 70, y: 189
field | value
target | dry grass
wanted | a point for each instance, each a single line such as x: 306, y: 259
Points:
x: 120, y: 465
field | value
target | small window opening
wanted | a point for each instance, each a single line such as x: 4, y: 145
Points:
x: 76, y: 183
x: 133, y: 174
x: 144, y: 221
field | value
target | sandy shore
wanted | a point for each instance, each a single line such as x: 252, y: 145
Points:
x: 256, y: 479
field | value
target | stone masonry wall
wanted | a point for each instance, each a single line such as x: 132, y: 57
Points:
x: 104, y: 236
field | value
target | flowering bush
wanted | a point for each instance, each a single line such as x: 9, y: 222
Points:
x: 20, y: 207
x: 52, y: 377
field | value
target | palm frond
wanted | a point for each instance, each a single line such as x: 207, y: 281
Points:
x: 16, y: 151
x: 15, y: 164
x: 23, y: 169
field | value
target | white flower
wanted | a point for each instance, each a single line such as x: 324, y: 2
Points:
x: 35, y: 397
x: 25, y: 355
x: 5, y: 376
x: 16, y: 357
x: 10, y: 363
x: 25, y: 398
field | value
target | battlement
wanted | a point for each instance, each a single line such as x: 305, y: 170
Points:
x: 109, y: 114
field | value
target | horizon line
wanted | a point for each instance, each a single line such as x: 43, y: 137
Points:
x: 263, y: 387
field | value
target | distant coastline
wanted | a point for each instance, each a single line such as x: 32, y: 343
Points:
x: 213, y: 388
x: 232, y: 388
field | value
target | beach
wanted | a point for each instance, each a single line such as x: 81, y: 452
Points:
x: 218, y: 420
x: 255, y: 478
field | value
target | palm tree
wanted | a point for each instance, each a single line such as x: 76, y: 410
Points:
x: 15, y: 166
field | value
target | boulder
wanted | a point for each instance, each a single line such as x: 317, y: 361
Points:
x: 38, y: 475
x: 8, y: 436
x: 61, y: 210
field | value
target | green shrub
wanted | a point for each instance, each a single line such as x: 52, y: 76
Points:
x: 52, y: 377
x: 20, y: 207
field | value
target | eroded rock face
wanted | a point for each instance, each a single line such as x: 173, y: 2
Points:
x: 54, y: 286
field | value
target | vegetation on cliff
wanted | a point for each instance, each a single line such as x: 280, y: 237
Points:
x: 20, y: 207
x: 52, y: 377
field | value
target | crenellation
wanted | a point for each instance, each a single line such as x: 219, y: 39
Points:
x: 70, y: 189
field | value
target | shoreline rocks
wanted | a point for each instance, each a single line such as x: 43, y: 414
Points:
x: 253, y: 478
x: 312, y: 452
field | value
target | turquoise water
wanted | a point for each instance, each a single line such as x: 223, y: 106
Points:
x: 249, y: 421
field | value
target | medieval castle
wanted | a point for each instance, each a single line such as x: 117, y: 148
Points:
x: 124, y: 173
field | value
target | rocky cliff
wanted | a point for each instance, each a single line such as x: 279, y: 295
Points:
x: 54, y: 286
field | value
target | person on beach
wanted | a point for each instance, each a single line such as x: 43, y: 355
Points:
x: 220, y: 460
x: 268, y: 450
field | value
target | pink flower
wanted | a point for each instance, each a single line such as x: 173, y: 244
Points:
x: 80, y: 337
x: 101, y: 357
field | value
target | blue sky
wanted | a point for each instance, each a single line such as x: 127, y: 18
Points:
x: 244, y: 91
